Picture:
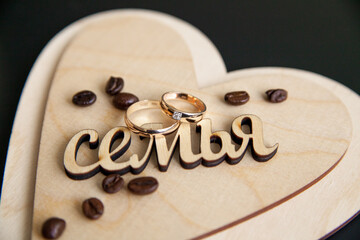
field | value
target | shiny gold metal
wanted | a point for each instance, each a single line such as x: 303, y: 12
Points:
x: 178, y: 114
x: 149, y: 128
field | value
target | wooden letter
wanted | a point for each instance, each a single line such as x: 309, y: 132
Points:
x: 227, y: 148
x: 106, y: 162
x: 72, y: 169
x: 164, y: 154
x: 107, y: 158
x: 209, y: 158
x: 254, y: 138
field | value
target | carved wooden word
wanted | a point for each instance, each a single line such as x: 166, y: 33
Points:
x: 188, y: 159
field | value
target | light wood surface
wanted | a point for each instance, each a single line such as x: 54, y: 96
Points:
x: 233, y: 230
x: 16, y: 207
x: 153, y: 59
x: 325, y: 206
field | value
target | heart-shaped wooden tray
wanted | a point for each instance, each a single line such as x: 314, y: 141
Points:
x: 87, y: 59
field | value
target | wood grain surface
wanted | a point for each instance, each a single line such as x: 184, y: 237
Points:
x: 153, y: 59
x: 276, y: 72
x: 16, y: 207
x: 324, y: 207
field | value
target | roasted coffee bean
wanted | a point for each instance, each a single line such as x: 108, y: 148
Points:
x: 53, y: 228
x: 237, y: 98
x: 124, y: 100
x: 143, y: 185
x: 276, y: 95
x: 112, y: 183
x: 84, y: 98
x: 93, y: 208
x: 114, y: 85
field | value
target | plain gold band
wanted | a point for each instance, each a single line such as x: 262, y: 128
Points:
x: 146, y: 104
x: 178, y: 114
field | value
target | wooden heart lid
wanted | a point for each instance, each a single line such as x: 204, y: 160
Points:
x: 312, y: 127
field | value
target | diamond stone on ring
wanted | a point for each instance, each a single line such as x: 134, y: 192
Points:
x: 177, y: 115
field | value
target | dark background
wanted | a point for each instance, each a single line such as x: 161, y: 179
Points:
x: 319, y: 36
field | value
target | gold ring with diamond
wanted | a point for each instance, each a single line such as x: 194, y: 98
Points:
x: 147, y: 118
x: 179, y: 106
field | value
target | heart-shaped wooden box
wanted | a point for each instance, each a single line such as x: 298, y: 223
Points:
x: 156, y: 53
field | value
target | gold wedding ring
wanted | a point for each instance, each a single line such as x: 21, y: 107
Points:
x: 147, y: 118
x: 179, y: 105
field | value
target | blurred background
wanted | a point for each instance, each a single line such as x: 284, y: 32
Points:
x: 321, y: 36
